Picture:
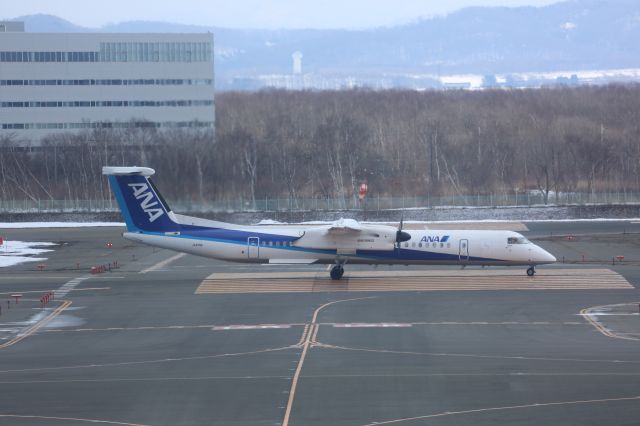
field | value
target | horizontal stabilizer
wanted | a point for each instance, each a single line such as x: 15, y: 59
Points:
x: 127, y: 171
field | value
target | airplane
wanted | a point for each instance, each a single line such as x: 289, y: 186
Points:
x: 150, y: 221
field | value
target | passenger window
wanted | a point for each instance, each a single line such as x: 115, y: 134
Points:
x: 406, y: 244
x: 420, y: 245
x: 441, y: 245
x: 434, y: 245
x: 270, y: 243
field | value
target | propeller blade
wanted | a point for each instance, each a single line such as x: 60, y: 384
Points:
x: 400, y: 235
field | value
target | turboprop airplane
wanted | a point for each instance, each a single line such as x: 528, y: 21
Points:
x: 150, y: 221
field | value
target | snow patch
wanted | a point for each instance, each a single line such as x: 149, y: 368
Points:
x: 15, y: 252
x: 427, y: 222
x: 21, y: 225
x: 269, y: 222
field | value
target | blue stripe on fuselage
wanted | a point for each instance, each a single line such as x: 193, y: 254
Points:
x: 240, y: 238
x: 418, y: 255
x: 232, y: 236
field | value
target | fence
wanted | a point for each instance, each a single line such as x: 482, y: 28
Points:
x: 330, y: 204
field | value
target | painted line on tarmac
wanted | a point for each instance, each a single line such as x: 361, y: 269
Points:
x: 68, y: 419
x: 603, y: 314
x: 162, y: 263
x: 31, y: 277
x: 479, y: 356
x: 58, y: 295
x: 389, y: 281
x: 213, y: 327
x: 591, y: 315
x: 29, y: 331
x: 150, y: 361
x: 512, y: 407
x: 510, y: 374
x: 141, y: 379
x: 231, y: 327
x: 372, y: 325
x: 250, y: 327
x: 41, y: 291
x: 67, y: 287
x: 632, y: 376
x: 308, y: 338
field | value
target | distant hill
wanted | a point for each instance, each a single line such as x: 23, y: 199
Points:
x: 41, y: 23
x: 571, y: 35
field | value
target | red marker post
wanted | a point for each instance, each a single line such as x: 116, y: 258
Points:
x: 363, y: 191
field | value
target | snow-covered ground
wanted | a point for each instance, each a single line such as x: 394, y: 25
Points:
x: 15, y: 252
x: 21, y: 225
x: 420, y: 222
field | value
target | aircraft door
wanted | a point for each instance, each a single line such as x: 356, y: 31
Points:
x: 463, y: 253
x: 253, y: 247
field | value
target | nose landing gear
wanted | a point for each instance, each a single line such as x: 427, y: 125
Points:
x: 531, y: 271
x: 336, y: 272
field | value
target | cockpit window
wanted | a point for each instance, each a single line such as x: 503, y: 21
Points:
x: 517, y: 240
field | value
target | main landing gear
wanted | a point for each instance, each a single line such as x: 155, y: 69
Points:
x: 531, y: 271
x: 336, y: 272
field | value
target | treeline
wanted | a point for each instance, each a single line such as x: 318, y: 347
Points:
x: 324, y: 144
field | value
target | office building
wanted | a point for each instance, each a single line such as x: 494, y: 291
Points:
x: 54, y: 82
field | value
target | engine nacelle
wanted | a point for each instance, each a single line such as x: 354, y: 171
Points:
x: 369, y: 238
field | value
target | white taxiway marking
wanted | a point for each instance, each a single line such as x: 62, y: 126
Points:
x: 250, y: 327
x: 372, y: 325
x: 66, y: 288
x: 162, y: 263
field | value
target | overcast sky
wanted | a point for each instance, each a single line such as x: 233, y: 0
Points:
x: 251, y: 13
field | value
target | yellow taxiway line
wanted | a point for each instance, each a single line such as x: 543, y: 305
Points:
x: 308, y: 336
x: 586, y: 314
x: 35, y: 327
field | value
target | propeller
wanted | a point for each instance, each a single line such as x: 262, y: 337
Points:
x: 400, y: 235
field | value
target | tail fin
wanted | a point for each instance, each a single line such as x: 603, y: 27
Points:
x: 142, y: 206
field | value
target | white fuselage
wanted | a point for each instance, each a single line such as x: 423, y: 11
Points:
x: 299, y: 245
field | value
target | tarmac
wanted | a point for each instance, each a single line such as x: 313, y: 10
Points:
x: 161, y: 338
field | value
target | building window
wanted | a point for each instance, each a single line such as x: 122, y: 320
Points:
x: 108, y: 125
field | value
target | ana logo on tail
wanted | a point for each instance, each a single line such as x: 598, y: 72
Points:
x: 141, y: 192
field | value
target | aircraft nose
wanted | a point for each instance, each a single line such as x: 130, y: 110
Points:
x: 544, y: 256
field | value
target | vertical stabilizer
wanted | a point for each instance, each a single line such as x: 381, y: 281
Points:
x: 142, y: 206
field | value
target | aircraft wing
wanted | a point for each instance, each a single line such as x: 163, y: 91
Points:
x: 346, y: 236
x: 345, y: 227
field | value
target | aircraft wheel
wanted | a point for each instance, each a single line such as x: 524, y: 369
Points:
x: 531, y: 271
x: 337, y: 272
